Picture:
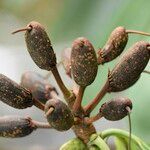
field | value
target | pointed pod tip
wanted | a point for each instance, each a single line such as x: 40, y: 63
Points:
x: 28, y: 28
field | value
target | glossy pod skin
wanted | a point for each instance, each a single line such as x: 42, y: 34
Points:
x: 13, y: 94
x: 39, y: 46
x: 39, y: 87
x: 115, y: 109
x: 61, y: 118
x: 15, y: 127
x: 128, y: 70
x: 114, y: 46
x: 84, y: 64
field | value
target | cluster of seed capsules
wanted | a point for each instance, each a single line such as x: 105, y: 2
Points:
x: 81, y: 64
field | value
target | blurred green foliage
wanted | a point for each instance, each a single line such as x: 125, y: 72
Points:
x: 67, y: 19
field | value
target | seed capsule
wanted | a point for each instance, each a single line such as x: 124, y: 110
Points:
x: 13, y: 94
x: 13, y: 127
x: 39, y: 87
x: 128, y: 70
x: 116, y: 44
x: 83, y: 62
x: 116, y: 109
x: 61, y: 117
x: 66, y: 60
x: 39, y: 45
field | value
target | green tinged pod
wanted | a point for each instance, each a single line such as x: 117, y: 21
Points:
x: 84, y: 64
x: 39, y: 87
x: 13, y: 94
x: 13, y: 127
x: 128, y: 70
x: 39, y: 46
x: 114, y: 46
x: 116, y: 109
x: 61, y: 117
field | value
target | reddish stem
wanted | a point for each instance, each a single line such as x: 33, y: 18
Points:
x: 60, y: 83
x: 92, y: 119
x: 89, y: 108
x: 38, y: 104
x: 78, y: 101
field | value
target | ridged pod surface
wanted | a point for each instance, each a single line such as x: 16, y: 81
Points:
x: 114, y: 46
x: 115, y: 109
x: 61, y: 118
x: 14, y: 127
x: 39, y: 87
x: 83, y: 62
x: 13, y: 94
x: 128, y: 70
x: 39, y: 46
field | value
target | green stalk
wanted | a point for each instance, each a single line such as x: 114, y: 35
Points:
x: 99, y: 142
x: 124, y: 134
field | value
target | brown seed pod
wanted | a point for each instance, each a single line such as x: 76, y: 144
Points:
x: 116, y: 44
x: 39, y: 87
x: 83, y: 62
x: 116, y: 109
x: 61, y: 117
x: 39, y: 45
x: 66, y: 60
x: 128, y: 70
x: 13, y: 127
x: 13, y: 94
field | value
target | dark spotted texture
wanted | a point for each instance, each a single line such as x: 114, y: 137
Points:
x: 14, y: 127
x: 39, y: 87
x: 83, y: 62
x: 115, y: 109
x: 13, y: 94
x: 39, y: 46
x: 114, y: 46
x: 61, y: 118
x: 128, y: 70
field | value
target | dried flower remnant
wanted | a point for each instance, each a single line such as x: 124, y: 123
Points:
x: 66, y: 60
x: 40, y: 88
x: 58, y: 115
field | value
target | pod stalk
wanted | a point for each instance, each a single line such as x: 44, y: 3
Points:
x: 137, y: 32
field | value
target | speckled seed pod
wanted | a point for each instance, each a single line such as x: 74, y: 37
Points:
x: 13, y: 94
x: 114, y: 46
x: 39, y: 46
x: 66, y: 60
x: 39, y: 87
x: 83, y: 62
x: 61, y: 118
x: 115, y: 109
x: 128, y: 70
x: 13, y: 127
